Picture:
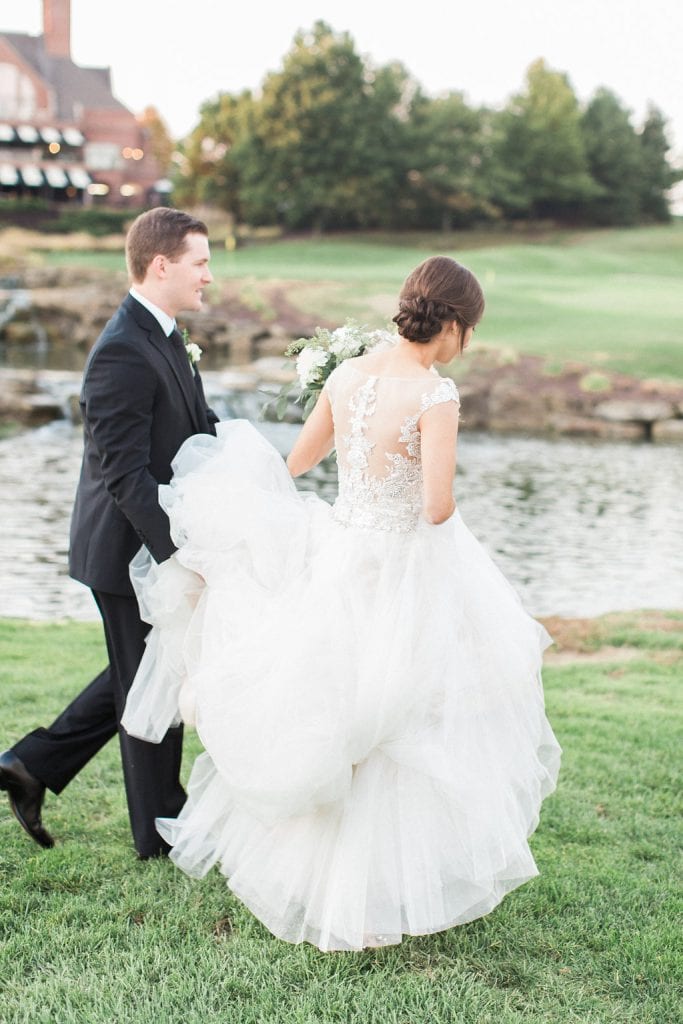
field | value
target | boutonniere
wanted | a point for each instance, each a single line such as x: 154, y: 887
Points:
x: 194, y: 353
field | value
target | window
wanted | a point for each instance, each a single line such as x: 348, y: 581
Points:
x: 17, y: 95
x: 102, y: 156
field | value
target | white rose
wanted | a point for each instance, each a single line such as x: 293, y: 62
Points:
x: 308, y: 365
x: 345, y: 342
x: 194, y: 352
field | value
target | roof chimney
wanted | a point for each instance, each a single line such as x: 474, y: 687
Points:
x: 57, y: 27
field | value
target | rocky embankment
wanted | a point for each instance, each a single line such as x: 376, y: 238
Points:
x: 518, y: 394
x: 65, y: 309
x: 68, y: 308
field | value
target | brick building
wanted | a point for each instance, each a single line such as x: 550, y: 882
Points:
x: 63, y: 134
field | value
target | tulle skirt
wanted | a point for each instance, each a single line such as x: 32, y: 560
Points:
x: 370, y: 704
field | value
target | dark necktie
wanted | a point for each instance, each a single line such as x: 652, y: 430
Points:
x: 180, y: 354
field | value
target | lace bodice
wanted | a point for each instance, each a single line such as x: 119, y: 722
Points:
x: 377, y: 437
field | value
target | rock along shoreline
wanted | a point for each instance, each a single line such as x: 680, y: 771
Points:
x: 502, y: 391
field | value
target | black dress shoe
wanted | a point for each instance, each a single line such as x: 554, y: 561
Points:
x: 26, y: 794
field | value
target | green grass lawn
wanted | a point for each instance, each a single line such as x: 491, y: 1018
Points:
x: 609, y: 298
x: 90, y: 934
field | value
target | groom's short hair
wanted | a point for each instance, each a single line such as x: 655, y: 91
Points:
x: 161, y: 231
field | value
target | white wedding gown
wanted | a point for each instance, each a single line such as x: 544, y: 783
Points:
x: 366, y: 685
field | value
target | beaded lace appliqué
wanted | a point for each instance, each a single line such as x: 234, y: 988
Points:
x: 391, y: 502
x: 410, y: 435
x: 362, y: 406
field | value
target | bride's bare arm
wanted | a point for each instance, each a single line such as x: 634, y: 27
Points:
x: 315, y: 440
x: 439, y: 432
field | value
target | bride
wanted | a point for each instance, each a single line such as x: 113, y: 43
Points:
x: 363, y: 679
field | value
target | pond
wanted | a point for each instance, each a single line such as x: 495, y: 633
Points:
x: 579, y: 528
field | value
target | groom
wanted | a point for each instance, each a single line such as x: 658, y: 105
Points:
x: 141, y: 398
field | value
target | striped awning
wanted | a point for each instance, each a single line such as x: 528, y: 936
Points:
x: 56, y: 176
x: 73, y: 137
x: 50, y: 135
x: 31, y: 175
x: 27, y: 133
x: 32, y: 134
x: 79, y: 177
x: 53, y: 174
x: 9, y: 175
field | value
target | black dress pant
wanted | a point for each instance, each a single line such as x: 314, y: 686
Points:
x: 150, y: 770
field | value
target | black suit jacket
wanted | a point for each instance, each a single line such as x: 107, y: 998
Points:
x: 139, y: 402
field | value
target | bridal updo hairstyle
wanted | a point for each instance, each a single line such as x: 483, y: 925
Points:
x: 160, y: 231
x: 438, y: 291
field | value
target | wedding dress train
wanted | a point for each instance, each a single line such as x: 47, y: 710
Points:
x: 366, y: 685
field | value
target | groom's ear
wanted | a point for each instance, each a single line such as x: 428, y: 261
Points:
x: 158, y: 266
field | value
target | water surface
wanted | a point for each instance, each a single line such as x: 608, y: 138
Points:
x: 580, y: 528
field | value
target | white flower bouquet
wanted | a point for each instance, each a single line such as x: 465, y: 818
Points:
x: 318, y: 356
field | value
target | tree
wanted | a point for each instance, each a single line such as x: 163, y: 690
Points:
x: 657, y: 175
x: 332, y: 141
x: 542, y: 146
x: 323, y: 147
x: 614, y: 159
x: 445, y: 174
x: 160, y: 142
x: 207, y: 169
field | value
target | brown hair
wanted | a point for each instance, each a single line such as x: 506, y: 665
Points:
x: 161, y: 231
x: 437, y: 291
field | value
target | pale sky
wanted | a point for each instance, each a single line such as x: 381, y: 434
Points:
x: 177, y: 53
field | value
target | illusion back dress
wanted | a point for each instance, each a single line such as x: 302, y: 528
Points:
x: 366, y: 685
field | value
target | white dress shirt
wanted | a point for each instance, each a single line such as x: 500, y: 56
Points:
x: 166, y: 322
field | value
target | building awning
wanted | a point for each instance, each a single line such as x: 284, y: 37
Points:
x: 8, y: 175
x: 56, y: 176
x: 30, y: 134
x: 34, y: 176
x: 31, y: 175
x: 27, y: 133
x: 73, y: 137
x: 79, y: 177
x: 50, y: 135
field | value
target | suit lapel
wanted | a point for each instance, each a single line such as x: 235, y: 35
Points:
x: 182, y: 371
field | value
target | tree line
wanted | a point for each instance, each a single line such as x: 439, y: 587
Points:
x: 331, y: 141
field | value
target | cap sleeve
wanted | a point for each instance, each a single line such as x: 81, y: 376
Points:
x: 445, y: 391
